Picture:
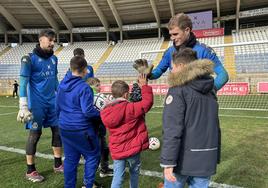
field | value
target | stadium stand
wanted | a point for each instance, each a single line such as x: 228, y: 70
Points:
x: 14, y: 55
x: 93, y: 52
x: 9, y: 71
x: 2, y: 47
x: 120, y: 61
x: 251, y: 58
x: 10, y: 61
x: 215, y: 41
x: 212, y: 40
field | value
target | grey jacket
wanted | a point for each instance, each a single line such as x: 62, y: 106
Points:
x: 191, y: 132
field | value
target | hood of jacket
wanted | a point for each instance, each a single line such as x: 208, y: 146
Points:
x: 197, y: 74
x: 113, y: 114
x: 70, y: 81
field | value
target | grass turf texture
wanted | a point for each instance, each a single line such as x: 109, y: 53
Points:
x: 244, y: 151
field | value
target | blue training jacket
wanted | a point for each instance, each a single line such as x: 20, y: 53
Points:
x: 90, y: 72
x: 74, y: 104
x: 203, y: 52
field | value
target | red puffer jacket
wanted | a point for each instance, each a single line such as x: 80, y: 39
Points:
x: 126, y: 125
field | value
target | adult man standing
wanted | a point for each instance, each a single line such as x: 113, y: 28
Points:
x: 180, y: 30
x: 38, y: 84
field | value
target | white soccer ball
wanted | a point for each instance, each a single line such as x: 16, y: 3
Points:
x: 110, y: 98
x: 100, y: 101
x: 154, y: 143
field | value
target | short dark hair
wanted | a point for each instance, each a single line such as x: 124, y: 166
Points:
x: 119, y: 88
x: 93, y: 81
x: 47, y: 33
x: 184, y: 55
x: 78, y: 64
x: 180, y: 20
x: 79, y: 52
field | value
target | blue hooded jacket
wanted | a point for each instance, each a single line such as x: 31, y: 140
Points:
x: 74, y: 104
x: 203, y: 52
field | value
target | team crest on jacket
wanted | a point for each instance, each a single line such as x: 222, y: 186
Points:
x: 169, y: 99
x: 34, y: 125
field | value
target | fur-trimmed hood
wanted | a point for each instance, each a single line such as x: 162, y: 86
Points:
x: 198, y: 73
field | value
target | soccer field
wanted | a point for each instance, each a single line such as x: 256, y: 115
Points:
x: 244, y: 151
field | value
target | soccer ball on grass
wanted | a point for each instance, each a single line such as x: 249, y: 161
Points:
x: 154, y: 143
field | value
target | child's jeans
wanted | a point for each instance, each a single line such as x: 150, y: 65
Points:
x: 192, y: 181
x: 119, y: 171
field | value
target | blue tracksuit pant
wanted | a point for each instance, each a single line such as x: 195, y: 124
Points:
x: 77, y: 143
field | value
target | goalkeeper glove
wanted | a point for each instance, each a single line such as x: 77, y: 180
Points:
x: 24, y: 114
x: 141, y: 65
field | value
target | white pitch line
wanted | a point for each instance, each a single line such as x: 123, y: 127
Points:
x: 142, y: 172
x: 3, y: 106
x: 221, y: 115
x: 238, y: 116
x: 225, y: 115
x: 5, y: 114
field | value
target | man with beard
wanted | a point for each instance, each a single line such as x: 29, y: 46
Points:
x: 180, y: 30
x: 38, y: 84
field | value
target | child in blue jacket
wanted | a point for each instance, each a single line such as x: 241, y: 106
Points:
x: 105, y: 171
x: 76, y: 115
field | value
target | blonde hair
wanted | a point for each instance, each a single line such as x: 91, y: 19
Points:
x: 180, y: 20
x: 93, y: 81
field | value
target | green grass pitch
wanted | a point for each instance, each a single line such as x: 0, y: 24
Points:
x: 244, y: 151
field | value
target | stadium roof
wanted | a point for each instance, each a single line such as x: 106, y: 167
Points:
x: 68, y: 14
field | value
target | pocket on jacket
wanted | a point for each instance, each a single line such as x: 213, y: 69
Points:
x: 201, y: 162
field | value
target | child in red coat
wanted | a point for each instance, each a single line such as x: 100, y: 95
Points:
x: 128, y: 134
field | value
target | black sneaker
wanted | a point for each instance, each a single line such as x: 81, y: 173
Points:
x: 106, y: 172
